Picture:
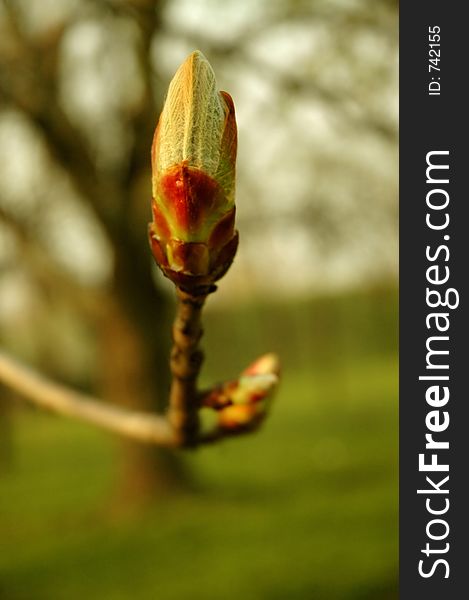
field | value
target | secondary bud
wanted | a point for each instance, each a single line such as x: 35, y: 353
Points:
x: 240, y: 417
x: 244, y: 403
x: 192, y: 235
x: 264, y: 365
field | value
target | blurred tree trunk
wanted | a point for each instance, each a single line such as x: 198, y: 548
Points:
x: 129, y: 377
x: 135, y: 336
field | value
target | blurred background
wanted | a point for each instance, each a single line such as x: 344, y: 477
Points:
x: 305, y: 508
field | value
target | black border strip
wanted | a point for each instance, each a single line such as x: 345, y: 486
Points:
x: 433, y: 123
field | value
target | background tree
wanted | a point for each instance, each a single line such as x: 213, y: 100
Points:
x: 81, y: 85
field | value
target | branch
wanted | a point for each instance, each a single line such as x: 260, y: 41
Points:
x: 186, y: 361
x: 241, y: 405
x: 60, y: 399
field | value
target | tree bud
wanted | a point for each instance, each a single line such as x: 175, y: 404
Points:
x: 192, y: 235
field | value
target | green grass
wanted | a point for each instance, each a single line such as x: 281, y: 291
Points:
x: 304, y: 509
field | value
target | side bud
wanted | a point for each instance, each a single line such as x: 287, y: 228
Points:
x: 192, y: 235
x: 243, y: 404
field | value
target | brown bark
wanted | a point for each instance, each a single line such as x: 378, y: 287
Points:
x: 128, y: 379
x: 186, y: 360
x: 134, y: 373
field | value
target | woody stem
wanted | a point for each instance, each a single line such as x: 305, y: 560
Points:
x: 185, y: 363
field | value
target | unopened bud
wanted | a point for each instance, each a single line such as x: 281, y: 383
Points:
x: 192, y: 235
x: 265, y: 364
x: 240, y: 417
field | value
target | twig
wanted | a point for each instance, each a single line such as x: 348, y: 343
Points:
x: 181, y: 428
x: 60, y: 399
x: 186, y: 361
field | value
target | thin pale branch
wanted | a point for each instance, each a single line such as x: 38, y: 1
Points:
x: 181, y: 428
x: 60, y: 399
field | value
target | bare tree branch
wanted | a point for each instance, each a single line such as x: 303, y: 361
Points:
x: 171, y: 432
x: 140, y: 426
